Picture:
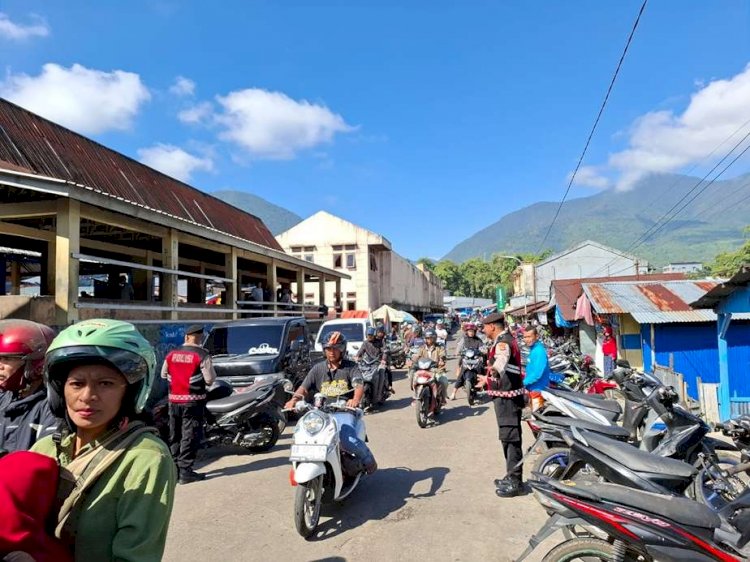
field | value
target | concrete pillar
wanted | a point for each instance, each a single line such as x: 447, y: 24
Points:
x: 67, y: 242
x: 149, y: 276
x: 170, y: 259
x: 15, y: 277
x: 230, y: 271
x: 48, y: 270
x: 322, y: 289
x: 338, y: 298
x: 301, y: 289
x: 273, y: 281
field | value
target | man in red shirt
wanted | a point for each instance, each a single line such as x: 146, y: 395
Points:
x: 609, y: 350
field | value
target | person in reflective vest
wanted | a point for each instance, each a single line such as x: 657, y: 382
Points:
x: 190, y: 372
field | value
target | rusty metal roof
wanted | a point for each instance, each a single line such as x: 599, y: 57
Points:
x: 29, y: 143
x: 567, y: 291
x: 652, y: 302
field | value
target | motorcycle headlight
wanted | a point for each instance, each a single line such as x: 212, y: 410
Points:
x: 313, y: 423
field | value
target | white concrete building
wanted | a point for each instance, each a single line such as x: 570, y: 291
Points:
x: 683, y: 267
x: 587, y: 259
x: 378, y: 274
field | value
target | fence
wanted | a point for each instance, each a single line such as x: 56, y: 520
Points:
x: 708, y: 393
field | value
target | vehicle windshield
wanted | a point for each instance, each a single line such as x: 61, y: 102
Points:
x: 238, y: 340
x: 352, y: 332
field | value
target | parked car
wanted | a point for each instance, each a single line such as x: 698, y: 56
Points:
x: 354, y: 330
x: 245, y: 352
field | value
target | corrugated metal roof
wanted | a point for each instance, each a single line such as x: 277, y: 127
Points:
x: 652, y: 302
x: 717, y: 294
x: 29, y: 143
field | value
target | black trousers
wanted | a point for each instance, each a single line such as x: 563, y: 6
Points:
x: 185, y: 433
x: 509, y: 432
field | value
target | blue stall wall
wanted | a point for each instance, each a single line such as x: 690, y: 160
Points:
x: 646, y: 346
x: 696, y: 355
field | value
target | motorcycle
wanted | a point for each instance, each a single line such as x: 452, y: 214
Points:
x: 428, y: 391
x: 374, y: 380
x: 611, y: 522
x: 322, y: 471
x: 472, y: 365
x: 397, y: 354
x: 251, y: 417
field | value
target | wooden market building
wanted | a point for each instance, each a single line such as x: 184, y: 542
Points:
x: 71, y: 208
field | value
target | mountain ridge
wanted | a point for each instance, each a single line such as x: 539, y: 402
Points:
x: 276, y: 218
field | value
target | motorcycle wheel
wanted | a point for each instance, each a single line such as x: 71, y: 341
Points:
x: 552, y: 462
x: 271, y: 428
x: 468, y: 387
x: 399, y: 364
x: 584, y: 549
x: 307, y: 500
x: 703, y: 490
x: 422, y: 407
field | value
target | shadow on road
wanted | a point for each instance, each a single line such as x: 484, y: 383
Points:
x: 382, y: 494
x: 254, y: 466
x: 395, y: 404
x: 456, y: 413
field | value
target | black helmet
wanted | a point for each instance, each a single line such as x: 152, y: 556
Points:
x: 430, y: 334
x: 335, y: 340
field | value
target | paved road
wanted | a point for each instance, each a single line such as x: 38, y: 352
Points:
x: 432, y: 498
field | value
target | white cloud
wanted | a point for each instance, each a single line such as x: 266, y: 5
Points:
x: 198, y: 113
x: 85, y: 100
x: 174, y: 161
x: 274, y: 126
x: 18, y: 31
x: 182, y: 87
x: 590, y: 176
x: 665, y: 141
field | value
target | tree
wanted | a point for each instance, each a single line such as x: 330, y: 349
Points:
x: 427, y: 263
x: 727, y: 264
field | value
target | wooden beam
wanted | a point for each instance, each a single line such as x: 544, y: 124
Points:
x: 135, y: 265
x: 272, y: 279
x: 170, y: 258
x: 231, y: 271
x: 126, y: 222
x: 67, y: 239
x: 204, y: 243
x: 26, y: 231
x: 28, y: 209
x: 114, y: 248
x: 300, y: 286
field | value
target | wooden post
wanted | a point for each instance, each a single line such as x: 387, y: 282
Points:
x: 301, y: 290
x: 67, y: 242
x: 170, y: 259
x: 230, y: 271
x: 273, y: 280
x: 48, y: 281
x: 338, y: 297
x: 149, y: 277
x: 15, y: 277
x: 321, y: 289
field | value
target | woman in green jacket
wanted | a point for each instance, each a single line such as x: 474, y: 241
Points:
x: 118, y: 478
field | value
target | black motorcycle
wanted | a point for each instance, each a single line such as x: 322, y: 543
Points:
x: 396, y: 354
x: 251, y: 417
x: 374, y: 382
x: 472, y: 365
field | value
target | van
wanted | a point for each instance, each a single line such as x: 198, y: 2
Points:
x: 353, y: 329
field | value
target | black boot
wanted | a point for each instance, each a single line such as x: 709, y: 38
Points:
x: 511, y: 489
x: 502, y: 482
x: 188, y: 476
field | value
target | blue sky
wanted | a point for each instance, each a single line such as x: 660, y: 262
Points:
x: 395, y: 115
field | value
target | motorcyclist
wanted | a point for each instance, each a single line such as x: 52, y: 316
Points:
x: 415, y: 338
x: 381, y: 339
x: 372, y: 347
x: 25, y: 415
x: 333, y: 377
x: 433, y: 351
x: 441, y: 332
x: 469, y: 341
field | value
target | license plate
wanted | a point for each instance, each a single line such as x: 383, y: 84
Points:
x: 312, y: 453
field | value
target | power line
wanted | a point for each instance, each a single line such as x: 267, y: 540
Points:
x: 596, y: 123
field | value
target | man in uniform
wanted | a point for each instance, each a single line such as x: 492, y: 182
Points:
x: 333, y: 377
x: 190, y: 372
x: 505, y: 385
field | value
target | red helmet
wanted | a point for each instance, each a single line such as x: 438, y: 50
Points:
x: 470, y: 326
x: 28, y: 341
x: 588, y: 361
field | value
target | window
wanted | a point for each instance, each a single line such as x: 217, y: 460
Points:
x: 373, y: 263
x: 337, y: 260
x: 344, y: 255
x: 351, y: 301
x: 306, y: 253
x: 351, y: 262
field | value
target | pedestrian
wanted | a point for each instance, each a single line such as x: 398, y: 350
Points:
x: 538, y: 372
x: 126, y: 289
x: 609, y: 350
x: 504, y: 384
x: 323, y: 310
x: 117, y: 479
x: 190, y: 372
x: 24, y: 413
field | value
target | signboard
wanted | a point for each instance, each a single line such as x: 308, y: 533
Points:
x: 500, y: 297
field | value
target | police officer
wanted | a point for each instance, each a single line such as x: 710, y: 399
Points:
x: 190, y: 372
x: 505, y: 385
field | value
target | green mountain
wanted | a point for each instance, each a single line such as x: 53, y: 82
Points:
x: 277, y: 219
x: 710, y: 224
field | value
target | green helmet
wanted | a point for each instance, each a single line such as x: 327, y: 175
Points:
x: 112, y: 342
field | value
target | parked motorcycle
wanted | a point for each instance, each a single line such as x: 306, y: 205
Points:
x: 472, y: 365
x: 611, y: 522
x: 428, y: 390
x: 322, y: 470
x: 374, y: 381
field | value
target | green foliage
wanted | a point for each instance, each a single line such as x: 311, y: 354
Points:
x: 479, y: 278
x: 427, y: 263
x: 727, y: 264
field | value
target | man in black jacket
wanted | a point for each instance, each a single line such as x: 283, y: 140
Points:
x: 24, y: 413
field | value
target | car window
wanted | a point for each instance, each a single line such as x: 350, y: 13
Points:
x: 238, y: 340
x: 296, y: 332
x: 352, y: 332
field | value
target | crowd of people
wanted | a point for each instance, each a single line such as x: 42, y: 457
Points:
x: 87, y: 478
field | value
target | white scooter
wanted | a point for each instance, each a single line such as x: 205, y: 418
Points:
x: 321, y: 470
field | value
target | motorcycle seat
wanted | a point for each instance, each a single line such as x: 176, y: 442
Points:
x: 614, y: 431
x: 636, y: 459
x: 679, y: 509
x: 612, y: 406
x: 224, y: 405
